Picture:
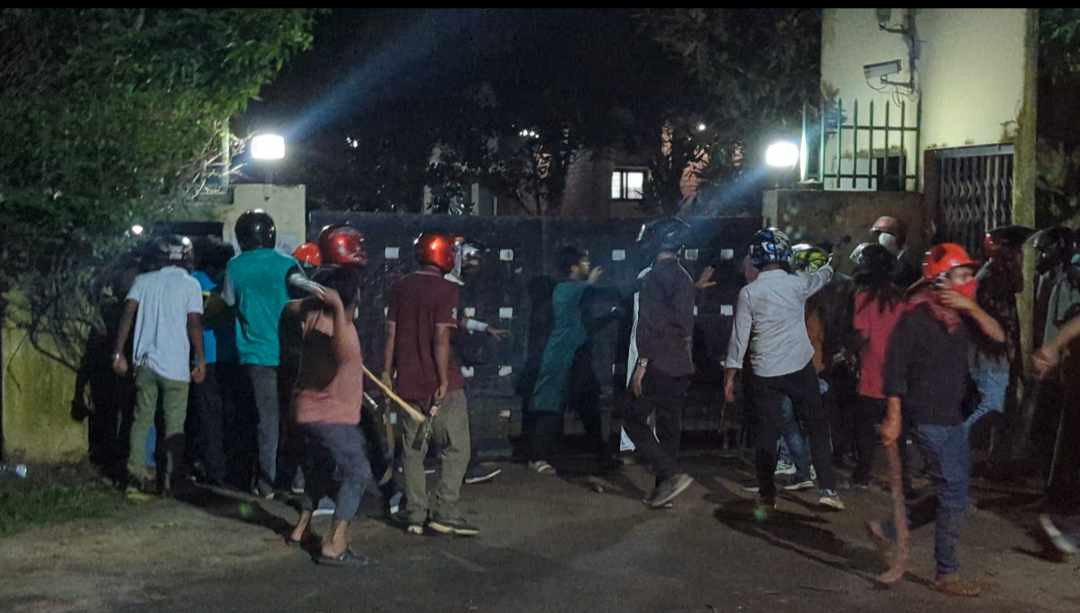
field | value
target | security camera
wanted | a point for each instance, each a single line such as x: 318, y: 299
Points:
x: 881, y: 69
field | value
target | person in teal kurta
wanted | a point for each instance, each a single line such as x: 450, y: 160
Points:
x: 543, y: 419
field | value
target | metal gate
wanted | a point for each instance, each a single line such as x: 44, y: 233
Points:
x: 974, y: 192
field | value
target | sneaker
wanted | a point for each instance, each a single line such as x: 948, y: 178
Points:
x: 264, y: 491
x: 1062, y: 535
x: 813, y: 473
x: 326, y: 507
x: 452, y: 525
x: 831, y: 499
x: 860, y: 486
x: 479, y: 473
x: 416, y: 529
x: 297, y: 486
x: 670, y: 488
x: 542, y: 467
x: 785, y: 468
x: 751, y: 487
x: 141, y: 490
x: 666, y: 505
x: 796, y: 484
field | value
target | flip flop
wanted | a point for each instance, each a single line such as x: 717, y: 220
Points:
x: 347, y: 558
x: 958, y: 587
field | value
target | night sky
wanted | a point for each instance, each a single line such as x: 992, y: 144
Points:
x: 366, y: 65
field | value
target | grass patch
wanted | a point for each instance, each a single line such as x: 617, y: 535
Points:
x: 24, y: 504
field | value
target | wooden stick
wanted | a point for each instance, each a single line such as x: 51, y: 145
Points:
x: 410, y: 409
x: 898, y: 565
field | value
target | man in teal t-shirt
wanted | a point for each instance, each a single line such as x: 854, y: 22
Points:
x: 256, y: 283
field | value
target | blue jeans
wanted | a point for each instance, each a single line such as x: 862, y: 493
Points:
x: 792, y: 437
x: 991, y: 376
x: 335, y: 463
x: 946, y: 451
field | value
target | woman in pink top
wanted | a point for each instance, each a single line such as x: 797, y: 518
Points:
x: 878, y: 306
x: 326, y: 405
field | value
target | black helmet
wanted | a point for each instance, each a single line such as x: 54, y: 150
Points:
x: 254, y: 229
x: 876, y: 263
x: 665, y: 234
x: 1054, y: 246
x: 172, y: 250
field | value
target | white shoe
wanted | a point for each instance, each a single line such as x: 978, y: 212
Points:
x: 542, y: 467
x: 785, y: 468
x: 326, y: 507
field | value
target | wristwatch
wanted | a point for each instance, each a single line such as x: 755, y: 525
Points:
x: 643, y: 362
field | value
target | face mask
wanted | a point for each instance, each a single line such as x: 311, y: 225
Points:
x: 967, y: 289
x: 889, y: 242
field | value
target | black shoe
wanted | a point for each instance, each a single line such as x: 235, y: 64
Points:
x: 452, y: 525
x: 670, y: 488
x: 480, y: 473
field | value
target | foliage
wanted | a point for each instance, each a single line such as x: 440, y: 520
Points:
x: 1059, y: 43
x: 27, y: 504
x: 111, y: 116
x: 755, y: 67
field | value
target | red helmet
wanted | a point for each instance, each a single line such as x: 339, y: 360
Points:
x: 943, y: 258
x: 436, y: 249
x: 342, y: 245
x: 308, y: 255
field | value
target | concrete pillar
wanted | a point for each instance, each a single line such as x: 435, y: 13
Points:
x: 1025, y: 172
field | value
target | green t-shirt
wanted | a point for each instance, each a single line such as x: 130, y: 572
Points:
x: 255, y: 281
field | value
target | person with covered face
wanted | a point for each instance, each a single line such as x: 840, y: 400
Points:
x: 165, y: 308
x: 1000, y: 279
x: 925, y: 381
x: 256, y: 283
x: 891, y: 233
x: 325, y: 405
x: 770, y: 327
x: 468, y: 262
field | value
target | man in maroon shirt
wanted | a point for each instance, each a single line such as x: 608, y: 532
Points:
x: 421, y: 315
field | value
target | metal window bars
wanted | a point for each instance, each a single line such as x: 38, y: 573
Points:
x: 833, y: 131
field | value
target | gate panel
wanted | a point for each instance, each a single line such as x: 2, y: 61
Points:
x: 974, y: 192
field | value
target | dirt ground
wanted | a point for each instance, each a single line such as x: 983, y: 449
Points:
x: 547, y: 544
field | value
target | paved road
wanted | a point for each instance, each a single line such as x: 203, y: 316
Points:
x: 555, y: 544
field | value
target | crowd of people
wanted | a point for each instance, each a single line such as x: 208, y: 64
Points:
x: 831, y: 368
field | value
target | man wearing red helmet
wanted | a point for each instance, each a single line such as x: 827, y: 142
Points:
x: 421, y: 315
x: 925, y: 376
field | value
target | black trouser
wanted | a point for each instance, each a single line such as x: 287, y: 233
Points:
x: 842, y: 404
x: 544, y: 431
x: 868, y: 414
x: 210, y: 419
x: 767, y: 397
x: 666, y: 395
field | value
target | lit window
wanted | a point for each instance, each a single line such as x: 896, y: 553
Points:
x: 627, y: 185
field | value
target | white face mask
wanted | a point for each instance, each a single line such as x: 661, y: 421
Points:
x: 889, y: 242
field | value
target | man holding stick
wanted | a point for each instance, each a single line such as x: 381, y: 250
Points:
x: 421, y: 316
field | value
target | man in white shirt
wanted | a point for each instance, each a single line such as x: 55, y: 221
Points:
x: 165, y: 306
x: 772, y: 309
